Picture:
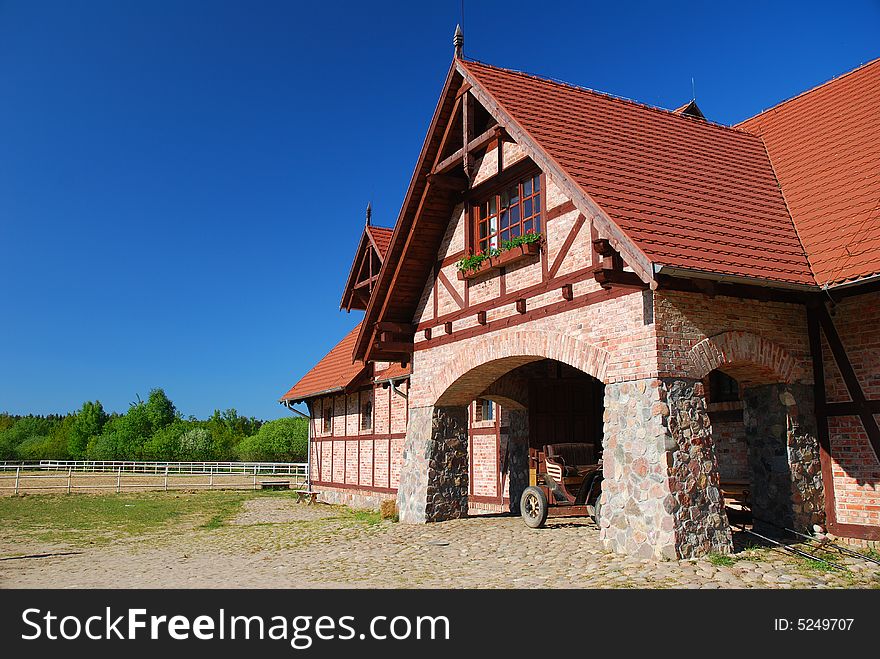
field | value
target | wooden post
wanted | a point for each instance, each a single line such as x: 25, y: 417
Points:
x: 467, y: 125
x: 118, y: 479
x: 166, y: 478
x: 69, y: 473
x: 211, y: 481
x: 17, y: 473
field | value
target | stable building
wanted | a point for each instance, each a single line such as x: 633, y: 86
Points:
x: 697, y: 303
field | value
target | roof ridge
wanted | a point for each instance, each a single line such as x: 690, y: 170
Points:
x: 815, y: 88
x: 613, y: 97
x: 794, y: 225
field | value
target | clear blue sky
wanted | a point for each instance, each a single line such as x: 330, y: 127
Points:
x: 182, y: 184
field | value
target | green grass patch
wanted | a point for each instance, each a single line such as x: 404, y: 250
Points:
x: 97, y: 519
x: 721, y: 560
x: 369, y: 517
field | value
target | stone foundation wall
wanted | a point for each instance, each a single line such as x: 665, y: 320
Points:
x: 517, y: 456
x: 660, y: 495
x: 699, y: 519
x: 434, y: 478
x: 784, y: 456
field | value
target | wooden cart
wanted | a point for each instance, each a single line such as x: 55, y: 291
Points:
x: 565, y: 480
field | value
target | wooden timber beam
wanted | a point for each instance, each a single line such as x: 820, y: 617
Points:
x: 367, y: 282
x: 475, y: 144
x: 850, y: 379
x: 393, y: 348
x: 448, y: 182
x: 610, y: 271
x: 467, y: 128
x: 611, y: 278
x: 390, y: 326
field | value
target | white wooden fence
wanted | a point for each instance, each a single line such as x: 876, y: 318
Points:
x: 70, y: 475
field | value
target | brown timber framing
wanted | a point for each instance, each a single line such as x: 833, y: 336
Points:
x: 817, y: 321
x: 606, y: 227
x: 475, y: 144
x: 519, y: 318
x: 450, y: 288
x: 569, y: 241
x: 507, y: 298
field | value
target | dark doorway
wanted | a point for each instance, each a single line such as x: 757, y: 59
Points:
x: 565, y: 405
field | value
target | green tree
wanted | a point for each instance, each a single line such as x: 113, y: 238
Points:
x: 88, y: 422
x: 160, y: 409
x: 197, y: 444
x: 282, y: 440
x: 26, y: 427
x: 165, y: 442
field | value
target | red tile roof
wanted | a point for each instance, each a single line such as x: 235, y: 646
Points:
x: 334, y: 372
x: 689, y: 193
x: 381, y: 237
x: 825, y: 147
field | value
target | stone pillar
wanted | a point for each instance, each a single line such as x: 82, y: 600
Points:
x: 784, y: 455
x: 660, y: 494
x: 701, y: 525
x: 434, y: 476
x: 517, y: 455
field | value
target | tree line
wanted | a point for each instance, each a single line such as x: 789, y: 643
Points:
x: 151, y: 430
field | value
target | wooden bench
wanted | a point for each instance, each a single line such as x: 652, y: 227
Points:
x: 275, y: 485
x: 306, y: 496
x: 736, y: 492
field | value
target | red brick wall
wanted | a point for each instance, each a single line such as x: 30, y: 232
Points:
x: 350, y: 457
x: 855, y: 468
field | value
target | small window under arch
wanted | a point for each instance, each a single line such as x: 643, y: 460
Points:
x: 484, y: 410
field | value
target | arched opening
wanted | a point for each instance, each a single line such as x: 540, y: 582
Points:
x: 468, y: 453
x: 522, y: 412
x: 764, y: 436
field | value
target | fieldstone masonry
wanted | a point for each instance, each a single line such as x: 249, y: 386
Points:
x: 700, y: 522
x: 784, y: 456
x: 517, y: 455
x: 434, y: 478
x: 660, y: 494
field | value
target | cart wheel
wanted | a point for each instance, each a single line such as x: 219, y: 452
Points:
x: 533, y: 507
x: 597, y: 509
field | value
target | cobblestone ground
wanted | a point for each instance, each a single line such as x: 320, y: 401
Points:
x: 274, y: 542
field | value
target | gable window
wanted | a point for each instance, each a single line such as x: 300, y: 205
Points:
x: 508, y: 214
x: 328, y: 419
x: 484, y: 410
x: 367, y: 415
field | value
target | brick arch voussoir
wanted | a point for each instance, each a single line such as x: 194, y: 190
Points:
x: 510, y: 344
x: 744, y: 349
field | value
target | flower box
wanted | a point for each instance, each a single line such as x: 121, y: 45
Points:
x: 505, y: 258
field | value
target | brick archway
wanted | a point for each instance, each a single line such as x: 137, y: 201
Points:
x: 748, y: 357
x: 478, y: 363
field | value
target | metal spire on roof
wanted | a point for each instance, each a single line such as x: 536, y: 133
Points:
x: 458, y: 41
x: 369, y: 212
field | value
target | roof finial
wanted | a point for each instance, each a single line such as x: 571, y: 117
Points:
x: 458, y: 41
x: 369, y: 212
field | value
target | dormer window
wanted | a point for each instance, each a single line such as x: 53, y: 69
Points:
x: 511, y: 212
